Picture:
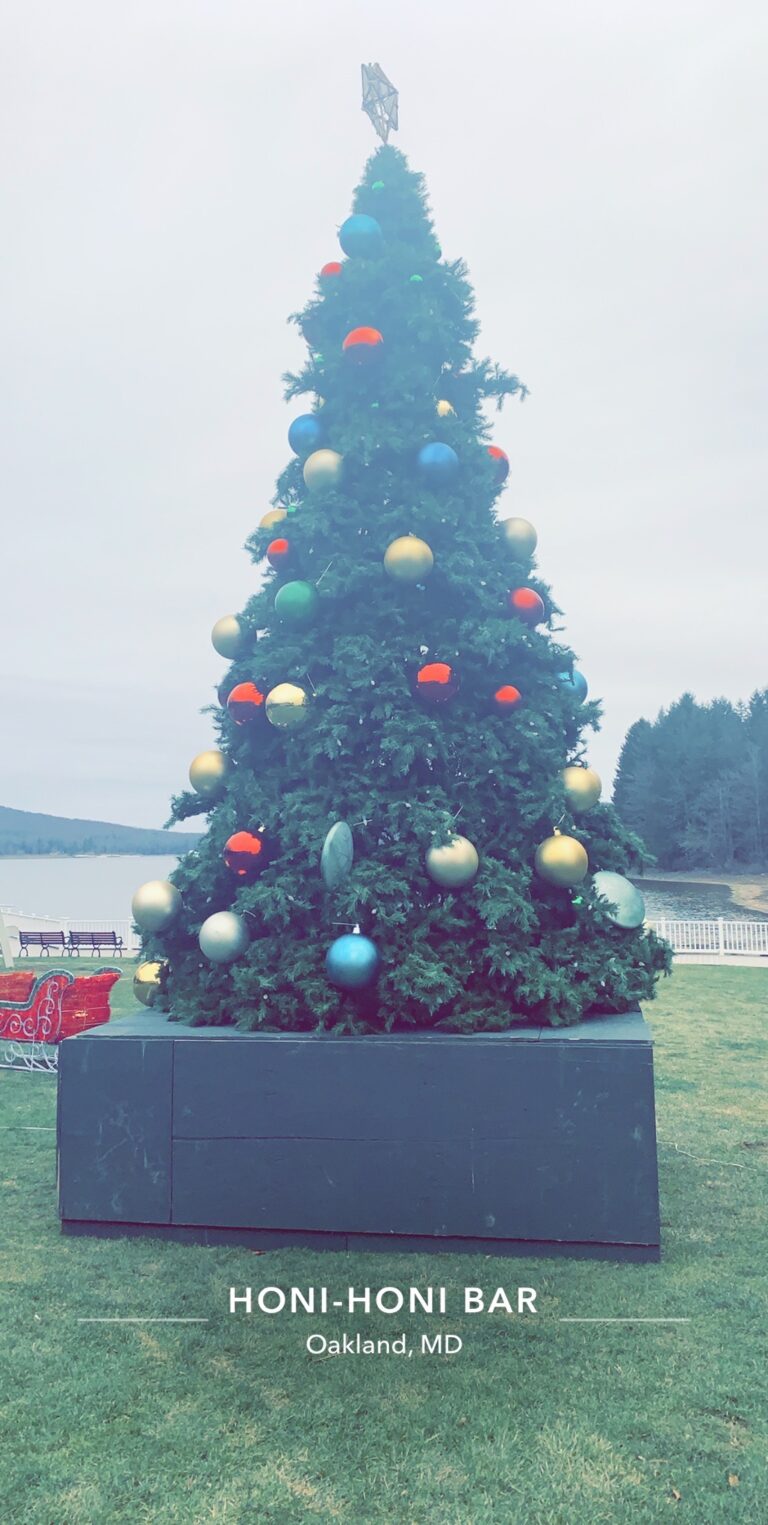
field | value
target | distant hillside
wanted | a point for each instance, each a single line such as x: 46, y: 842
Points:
x: 23, y: 831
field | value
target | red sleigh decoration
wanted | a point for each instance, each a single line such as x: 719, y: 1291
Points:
x: 44, y: 1008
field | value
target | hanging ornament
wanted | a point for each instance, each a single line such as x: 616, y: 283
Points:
x: 438, y: 464
x: 246, y: 703
x: 527, y: 605
x: 273, y: 517
x: 296, y: 602
x: 305, y: 434
x: 521, y: 537
x: 408, y: 559
x: 279, y: 553
x: 627, y: 906
x: 245, y: 854
x: 436, y: 683
x: 378, y: 185
x: 561, y: 860
x: 445, y: 409
x: 453, y: 865
x: 501, y: 463
x: 416, y: 280
x: 287, y: 706
x: 228, y: 637
x: 361, y: 236
x: 223, y: 937
x: 322, y: 470
x: 582, y: 788
x: 337, y: 855
x: 507, y: 698
x: 155, y: 905
x: 147, y: 981
x: 333, y: 268
x: 363, y: 345
x: 575, y: 683
x: 208, y: 772
x: 352, y: 962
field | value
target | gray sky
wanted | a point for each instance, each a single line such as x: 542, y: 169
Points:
x: 172, y: 177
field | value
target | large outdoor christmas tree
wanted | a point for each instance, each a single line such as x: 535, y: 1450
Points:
x: 399, y: 701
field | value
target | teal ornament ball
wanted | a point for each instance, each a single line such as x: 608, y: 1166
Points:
x: 575, y: 683
x: 378, y: 185
x: 361, y: 236
x: 438, y: 464
x: 416, y: 280
x: 627, y: 904
x: 337, y: 855
x: 296, y: 602
x: 352, y: 962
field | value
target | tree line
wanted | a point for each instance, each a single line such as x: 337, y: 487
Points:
x: 693, y: 783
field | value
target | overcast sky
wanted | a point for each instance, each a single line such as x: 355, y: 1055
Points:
x: 173, y: 174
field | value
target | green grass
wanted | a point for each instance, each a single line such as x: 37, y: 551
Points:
x: 535, y: 1421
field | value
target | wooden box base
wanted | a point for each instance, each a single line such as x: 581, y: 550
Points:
x: 537, y: 1141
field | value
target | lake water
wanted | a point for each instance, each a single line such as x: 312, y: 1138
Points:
x: 79, y: 889
x: 93, y: 888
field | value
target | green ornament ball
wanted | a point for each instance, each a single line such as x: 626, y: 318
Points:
x: 416, y: 279
x: 378, y: 185
x: 296, y: 602
x: 626, y: 906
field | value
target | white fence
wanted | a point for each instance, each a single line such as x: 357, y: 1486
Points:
x: 15, y: 920
x: 715, y: 937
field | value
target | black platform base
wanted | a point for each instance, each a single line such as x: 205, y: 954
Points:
x: 539, y: 1141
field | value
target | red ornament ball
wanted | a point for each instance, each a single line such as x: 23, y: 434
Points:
x: 436, y: 683
x: 330, y: 270
x: 507, y: 698
x: 246, y: 703
x: 279, y: 552
x: 245, y: 854
x: 501, y: 463
x: 527, y: 605
x: 363, y: 344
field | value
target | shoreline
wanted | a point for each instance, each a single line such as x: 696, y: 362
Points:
x: 748, y: 891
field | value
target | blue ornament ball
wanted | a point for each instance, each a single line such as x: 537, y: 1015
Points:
x: 352, y: 962
x: 306, y: 434
x: 576, y: 684
x: 438, y: 464
x: 361, y: 236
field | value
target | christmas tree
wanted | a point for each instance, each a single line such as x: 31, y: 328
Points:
x: 402, y: 829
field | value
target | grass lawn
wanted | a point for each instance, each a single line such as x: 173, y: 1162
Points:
x: 536, y: 1421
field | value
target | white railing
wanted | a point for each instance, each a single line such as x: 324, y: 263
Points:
x: 714, y: 936
x: 14, y: 920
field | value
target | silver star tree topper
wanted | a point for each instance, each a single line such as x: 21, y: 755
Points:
x: 379, y: 100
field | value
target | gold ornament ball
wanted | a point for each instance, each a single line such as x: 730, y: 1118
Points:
x: 454, y: 864
x: 582, y: 788
x: 208, y: 771
x: 146, y: 982
x: 228, y: 636
x: 408, y: 559
x: 155, y: 905
x: 561, y: 860
x: 521, y: 537
x: 322, y: 469
x: 445, y: 409
x: 287, y: 706
x: 272, y: 517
